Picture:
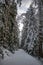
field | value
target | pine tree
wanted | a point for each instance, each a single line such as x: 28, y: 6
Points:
x: 9, y: 27
x: 30, y: 32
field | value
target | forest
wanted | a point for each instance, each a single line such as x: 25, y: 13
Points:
x: 21, y: 28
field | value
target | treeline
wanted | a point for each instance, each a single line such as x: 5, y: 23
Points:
x: 8, y: 25
x: 32, y: 34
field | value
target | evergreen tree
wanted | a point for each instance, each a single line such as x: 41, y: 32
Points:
x: 30, y: 31
x: 9, y: 27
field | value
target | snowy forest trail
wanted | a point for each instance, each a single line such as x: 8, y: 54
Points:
x: 19, y: 58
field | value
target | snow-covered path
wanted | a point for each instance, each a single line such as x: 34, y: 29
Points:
x: 19, y: 58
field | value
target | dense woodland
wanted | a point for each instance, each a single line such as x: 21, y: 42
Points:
x: 8, y: 25
x: 32, y: 33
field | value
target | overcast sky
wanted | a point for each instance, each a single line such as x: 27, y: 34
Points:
x: 25, y: 5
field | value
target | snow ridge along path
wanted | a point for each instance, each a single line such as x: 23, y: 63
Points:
x: 19, y: 58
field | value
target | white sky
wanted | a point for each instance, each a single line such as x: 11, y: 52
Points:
x: 20, y: 26
x: 24, y: 6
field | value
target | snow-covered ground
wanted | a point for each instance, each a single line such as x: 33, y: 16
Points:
x: 19, y: 58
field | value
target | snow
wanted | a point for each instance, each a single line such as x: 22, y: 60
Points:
x: 19, y: 58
